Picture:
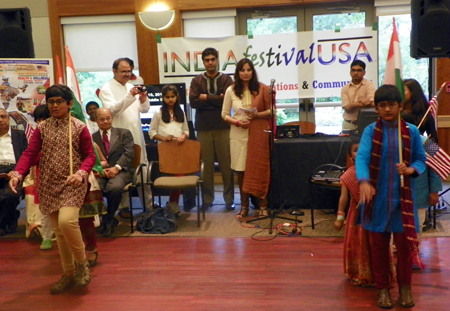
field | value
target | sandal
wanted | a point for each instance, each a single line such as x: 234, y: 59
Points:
x: 242, y: 213
x: 92, y: 257
x: 263, y: 213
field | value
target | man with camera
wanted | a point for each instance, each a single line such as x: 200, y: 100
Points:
x: 126, y: 101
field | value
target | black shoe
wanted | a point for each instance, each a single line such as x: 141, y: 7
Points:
x: 12, y: 227
x: 100, y: 229
x: 125, y: 213
x: 230, y: 206
x: 205, y: 206
x: 109, y: 227
x: 188, y: 207
x: 189, y: 204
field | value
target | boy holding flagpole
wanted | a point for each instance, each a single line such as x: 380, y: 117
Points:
x: 67, y: 157
x: 390, y: 155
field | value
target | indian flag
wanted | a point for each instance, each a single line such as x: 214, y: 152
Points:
x: 72, y: 83
x: 77, y: 110
x: 394, y: 71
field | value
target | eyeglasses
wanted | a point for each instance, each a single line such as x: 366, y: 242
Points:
x: 105, y: 119
x: 384, y: 106
x: 125, y: 72
x: 56, y: 102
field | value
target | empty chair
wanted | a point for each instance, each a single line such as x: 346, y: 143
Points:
x: 179, y: 167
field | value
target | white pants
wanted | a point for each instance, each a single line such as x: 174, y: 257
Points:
x: 68, y: 236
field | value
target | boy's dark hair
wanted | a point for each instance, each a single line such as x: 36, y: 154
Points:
x: 358, y: 63
x: 389, y: 93
x: 59, y: 90
x: 41, y: 112
x: 353, y: 141
x: 92, y: 103
x: 209, y: 51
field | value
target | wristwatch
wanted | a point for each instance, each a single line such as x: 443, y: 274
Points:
x: 118, y: 167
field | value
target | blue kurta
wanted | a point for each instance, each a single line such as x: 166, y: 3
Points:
x: 386, y: 209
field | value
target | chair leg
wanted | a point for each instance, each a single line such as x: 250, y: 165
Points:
x: 199, y: 207
x: 434, y: 216
x: 199, y: 196
x: 131, y: 212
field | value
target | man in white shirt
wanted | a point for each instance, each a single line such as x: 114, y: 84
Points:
x: 359, y: 93
x: 126, y: 102
x: 12, y: 144
x: 91, y: 108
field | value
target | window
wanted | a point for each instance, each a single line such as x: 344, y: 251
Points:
x: 412, y: 68
x: 93, y: 58
x: 328, y: 111
x: 262, y: 24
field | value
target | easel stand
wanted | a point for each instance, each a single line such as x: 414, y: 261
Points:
x: 273, y: 212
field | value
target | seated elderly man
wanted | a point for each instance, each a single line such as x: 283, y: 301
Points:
x: 12, y: 143
x: 117, y: 146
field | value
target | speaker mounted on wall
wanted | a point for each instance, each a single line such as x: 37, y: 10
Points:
x: 430, y: 29
x: 16, y: 39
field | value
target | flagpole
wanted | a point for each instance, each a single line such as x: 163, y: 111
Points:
x: 70, y: 145
x: 424, y: 117
x: 429, y: 108
x: 400, y: 154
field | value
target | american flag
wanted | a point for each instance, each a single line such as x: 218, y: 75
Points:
x: 437, y: 159
x: 434, y: 106
x: 29, y: 131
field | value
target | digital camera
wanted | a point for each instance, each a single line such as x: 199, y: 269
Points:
x: 141, y: 88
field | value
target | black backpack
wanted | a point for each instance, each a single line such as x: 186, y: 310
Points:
x: 157, y: 221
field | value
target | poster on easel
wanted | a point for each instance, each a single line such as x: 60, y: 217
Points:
x: 22, y: 87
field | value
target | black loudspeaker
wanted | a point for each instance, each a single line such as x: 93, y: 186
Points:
x: 16, y: 40
x: 430, y: 29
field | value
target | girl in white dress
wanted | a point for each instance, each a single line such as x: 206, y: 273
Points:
x: 169, y: 123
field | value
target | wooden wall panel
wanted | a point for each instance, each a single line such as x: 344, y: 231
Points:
x: 443, y: 74
x: 56, y: 33
x: 146, y: 41
x: 190, y: 5
x: 97, y: 7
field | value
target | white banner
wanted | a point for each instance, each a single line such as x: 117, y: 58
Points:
x: 304, y: 64
x: 23, y: 86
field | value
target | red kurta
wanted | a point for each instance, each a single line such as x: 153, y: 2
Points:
x: 52, y: 138
x: 257, y: 167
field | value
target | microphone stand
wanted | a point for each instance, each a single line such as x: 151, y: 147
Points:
x: 273, y: 213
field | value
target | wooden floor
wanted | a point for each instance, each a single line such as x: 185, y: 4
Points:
x: 286, y: 273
